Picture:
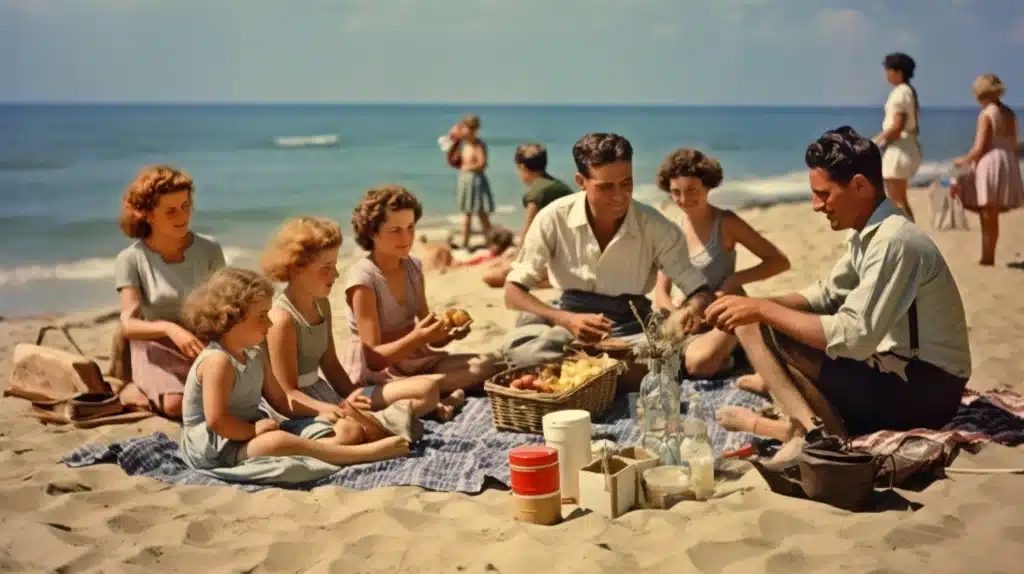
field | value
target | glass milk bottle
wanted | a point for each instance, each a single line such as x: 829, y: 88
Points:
x: 695, y: 452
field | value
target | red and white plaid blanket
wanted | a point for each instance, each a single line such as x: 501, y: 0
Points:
x: 991, y: 416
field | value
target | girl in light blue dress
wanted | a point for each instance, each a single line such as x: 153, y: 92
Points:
x: 222, y: 422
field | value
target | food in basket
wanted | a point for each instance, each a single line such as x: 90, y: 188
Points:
x: 455, y: 318
x: 571, y: 374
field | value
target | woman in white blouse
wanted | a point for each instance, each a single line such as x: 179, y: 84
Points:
x: 902, y: 155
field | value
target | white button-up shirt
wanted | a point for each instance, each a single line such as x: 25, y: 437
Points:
x: 865, y: 300
x: 561, y: 242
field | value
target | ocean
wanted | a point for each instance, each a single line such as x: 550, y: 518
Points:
x: 63, y: 169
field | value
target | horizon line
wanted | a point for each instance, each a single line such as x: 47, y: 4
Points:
x: 42, y: 103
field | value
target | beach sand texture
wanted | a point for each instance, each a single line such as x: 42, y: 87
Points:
x: 96, y: 519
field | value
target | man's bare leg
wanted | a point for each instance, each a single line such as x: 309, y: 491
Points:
x: 791, y: 390
x: 485, y: 221
x: 467, y: 224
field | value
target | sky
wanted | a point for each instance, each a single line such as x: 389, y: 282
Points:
x: 690, y: 52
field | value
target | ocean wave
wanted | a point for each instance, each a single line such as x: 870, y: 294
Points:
x: 82, y: 270
x: 322, y: 140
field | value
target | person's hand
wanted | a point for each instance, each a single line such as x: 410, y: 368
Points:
x: 690, y: 321
x: 731, y: 311
x: 960, y: 161
x: 359, y: 400
x: 588, y: 326
x: 266, y: 425
x: 330, y: 416
x: 459, y: 333
x: 189, y: 345
x: 391, y: 447
x: 431, y: 329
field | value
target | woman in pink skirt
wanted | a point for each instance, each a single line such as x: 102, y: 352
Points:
x: 995, y: 185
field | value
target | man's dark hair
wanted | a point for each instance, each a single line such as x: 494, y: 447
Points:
x: 843, y: 153
x: 532, y: 156
x: 596, y: 150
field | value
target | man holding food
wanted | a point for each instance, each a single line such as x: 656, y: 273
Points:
x: 604, y: 250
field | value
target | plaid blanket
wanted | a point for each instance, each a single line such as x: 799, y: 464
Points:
x: 456, y: 456
x: 992, y: 416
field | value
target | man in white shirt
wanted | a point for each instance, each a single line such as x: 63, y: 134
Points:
x: 604, y: 250
x: 881, y: 343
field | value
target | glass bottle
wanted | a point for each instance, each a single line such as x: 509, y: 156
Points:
x: 696, y: 453
x: 658, y: 408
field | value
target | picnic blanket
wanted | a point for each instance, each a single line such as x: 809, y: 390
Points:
x: 456, y: 456
x: 991, y: 416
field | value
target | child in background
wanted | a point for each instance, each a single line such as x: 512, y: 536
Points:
x: 222, y: 423
x: 304, y: 255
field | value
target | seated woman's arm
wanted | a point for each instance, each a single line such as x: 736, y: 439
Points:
x: 283, y: 371
x: 134, y: 327
x: 663, y: 293
x: 379, y: 355
x: 329, y: 363
x: 773, y: 260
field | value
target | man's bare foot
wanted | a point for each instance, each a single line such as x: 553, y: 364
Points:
x: 789, y: 450
x: 445, y: 411
x: 742, y: 419
x: 133, y: 398
x: 752, y: 383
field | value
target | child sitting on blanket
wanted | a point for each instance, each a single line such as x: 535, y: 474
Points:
x: 304, y: 255
x: 222, y: 422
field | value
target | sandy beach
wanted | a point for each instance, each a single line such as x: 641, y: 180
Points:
x: 97, y: 519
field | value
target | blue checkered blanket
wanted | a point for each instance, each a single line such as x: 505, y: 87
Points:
x: 456, y: 456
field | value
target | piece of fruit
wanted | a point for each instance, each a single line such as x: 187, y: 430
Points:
x: 460, y: 318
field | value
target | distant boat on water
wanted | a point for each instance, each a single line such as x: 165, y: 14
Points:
x: 323, y: 140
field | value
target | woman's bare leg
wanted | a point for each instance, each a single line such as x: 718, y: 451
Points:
x: 989, y: 233
x: 896, y: 189
x: 462, y: 371
x: 420, y: 390
x: 752, y: 383
x: 708, y: 353
x: 281, y: 443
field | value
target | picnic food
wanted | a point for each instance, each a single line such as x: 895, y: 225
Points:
x: 572, y: 373
x: 454, y: 318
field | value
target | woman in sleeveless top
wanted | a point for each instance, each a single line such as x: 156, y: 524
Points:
x: 711, y: 237
x: 995, y: 185
x: 394, y: 334
x: 153, y: 276
x: 900, y: 128
x: 304, y: 255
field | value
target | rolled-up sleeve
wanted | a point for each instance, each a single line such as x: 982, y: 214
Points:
x: 673, y: 257
x: 826, y: 296
x: 889, y: 279
x: 531, y: 264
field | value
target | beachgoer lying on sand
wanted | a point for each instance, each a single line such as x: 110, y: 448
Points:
x: 153, y: 276
x: 604, y: 249
x: 304, y: 255
x: 880, y: 344
x: 439, y: 256
x: 711, y: 238
x: 394, y: 334
x: 222, y: 422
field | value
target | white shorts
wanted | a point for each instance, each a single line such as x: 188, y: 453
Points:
x: 901, y: 159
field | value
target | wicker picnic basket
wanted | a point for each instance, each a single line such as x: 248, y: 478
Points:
x: 523, y: 411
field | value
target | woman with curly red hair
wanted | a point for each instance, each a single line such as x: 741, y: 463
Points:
x: 394, y: 333
x: 153, y: 276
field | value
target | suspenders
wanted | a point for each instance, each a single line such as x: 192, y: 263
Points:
x: 915, y: 347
